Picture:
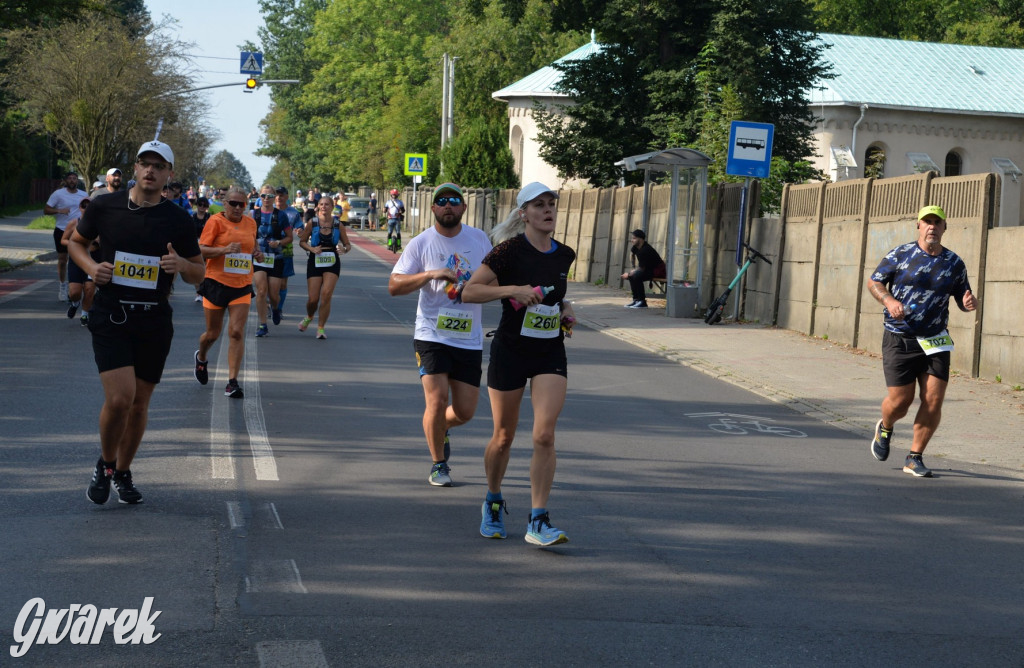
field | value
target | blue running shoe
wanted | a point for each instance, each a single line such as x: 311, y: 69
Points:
x: 262, y: 331
x: 493, y: 525
x: 540, y: 532
x: 447, y: 446
x: 914, y: 465
x: 440, y: 475
x: 880, y: 443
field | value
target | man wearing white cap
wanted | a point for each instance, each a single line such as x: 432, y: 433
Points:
x: 914, y: 282
x: 145, y: 241
x: 113, y: 179
x: 449, y: 334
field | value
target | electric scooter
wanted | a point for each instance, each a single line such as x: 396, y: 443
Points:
x: 714, y: 312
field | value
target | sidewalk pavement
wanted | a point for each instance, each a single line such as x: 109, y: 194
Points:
x: 982, y: 421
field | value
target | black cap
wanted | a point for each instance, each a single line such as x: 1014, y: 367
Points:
x: 281, y: 190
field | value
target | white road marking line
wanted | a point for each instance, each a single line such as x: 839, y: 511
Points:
x: 222, y: 463
x: 273, y: 519
x: 235, y: 514
x: 287, y: 653
x: 278, y: 577
x: 262, y: 453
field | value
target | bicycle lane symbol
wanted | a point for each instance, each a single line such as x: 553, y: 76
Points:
x: 736, y: 424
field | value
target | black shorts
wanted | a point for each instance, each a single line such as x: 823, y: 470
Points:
x: 509, y: 369
x: 903, y: 361
x: 313, y: 271
x: 221, y: 295
x: 125, y: 335
x: 57, y: 236
x: 276, y: 272
x: 75, y: 274
x: 459, y: 364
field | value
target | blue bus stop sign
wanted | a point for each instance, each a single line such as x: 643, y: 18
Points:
x: 750, y: 149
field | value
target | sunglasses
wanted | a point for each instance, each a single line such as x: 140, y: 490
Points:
x: 454, y: 200
x: 266, y: 195
x: 234, y: 203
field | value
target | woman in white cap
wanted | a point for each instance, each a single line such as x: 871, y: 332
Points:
x: 528, y: 271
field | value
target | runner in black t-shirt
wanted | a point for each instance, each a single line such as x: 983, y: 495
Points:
x: 146, y: 241
x: 528, y: 271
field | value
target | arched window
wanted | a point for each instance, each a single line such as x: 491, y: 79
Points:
x: 954, y: 164
x: 874, y: 162
x: 516, y: 144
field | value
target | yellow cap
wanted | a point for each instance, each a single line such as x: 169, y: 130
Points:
x: 931, y: 211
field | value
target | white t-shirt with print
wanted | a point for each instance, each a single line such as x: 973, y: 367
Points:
x: 430, y: 250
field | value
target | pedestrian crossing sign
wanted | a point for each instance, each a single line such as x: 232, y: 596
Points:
x: 252, y: 63
x: 415, y: 164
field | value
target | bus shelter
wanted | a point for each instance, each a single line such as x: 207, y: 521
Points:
x: 684, y: 246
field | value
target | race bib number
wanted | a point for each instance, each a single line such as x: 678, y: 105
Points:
x: 268, y: 261
x: 237, y: 263
x: 541, y: 322
x: 939, y: 343
x: 453, y: 323
x: 324, y: 260
x: 136, y: 271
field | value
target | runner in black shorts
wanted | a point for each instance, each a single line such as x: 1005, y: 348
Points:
x: 326, y: 240
x: 274, y: 232
x: 449, y: 334
x: 146, y: 241
x: 528, y: 271
x: 914, y: 282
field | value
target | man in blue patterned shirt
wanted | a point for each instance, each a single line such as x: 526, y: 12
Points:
x: 914, y: 283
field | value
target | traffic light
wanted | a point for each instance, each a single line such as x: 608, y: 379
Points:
x: 250, y: 84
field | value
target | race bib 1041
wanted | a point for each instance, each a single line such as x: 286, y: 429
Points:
x: 136, y: 271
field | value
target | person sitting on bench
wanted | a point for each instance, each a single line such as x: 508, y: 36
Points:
x: 647, y: 265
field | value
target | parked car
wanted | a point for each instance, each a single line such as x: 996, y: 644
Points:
x: 359, y: 214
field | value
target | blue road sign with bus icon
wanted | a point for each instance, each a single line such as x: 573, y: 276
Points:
x: 750, y: 149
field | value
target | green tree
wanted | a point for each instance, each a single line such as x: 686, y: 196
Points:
x: 981, y: 22
x: 225, y: 170
x: 479, y: 157
x: 104, y: 91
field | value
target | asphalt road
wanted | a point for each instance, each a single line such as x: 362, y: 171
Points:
x: 296, y: 527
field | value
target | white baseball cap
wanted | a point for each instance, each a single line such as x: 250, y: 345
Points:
x: 112, y: 171
x: 532, y: 191
x: 158, y: 147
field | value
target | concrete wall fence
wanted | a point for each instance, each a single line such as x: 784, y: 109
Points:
x: 824, y: 245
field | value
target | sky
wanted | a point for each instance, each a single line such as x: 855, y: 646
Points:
x: 217, y: 30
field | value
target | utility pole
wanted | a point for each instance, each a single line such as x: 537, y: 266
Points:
x: 447, y: 99
x: 445, y: 93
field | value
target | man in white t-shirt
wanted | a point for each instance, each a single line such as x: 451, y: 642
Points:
x: 63, y: 205
x: 449, y: 335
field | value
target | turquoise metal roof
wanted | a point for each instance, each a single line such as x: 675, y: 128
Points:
x: 923, y: 76
x: 542, y: 82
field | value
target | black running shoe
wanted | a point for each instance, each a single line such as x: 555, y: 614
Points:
x: 233, y: 390
x: 202, y: 374
x: 72, y: 309
x: 126, y: 492
x: 99, y: 488
x: 275, y: 315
